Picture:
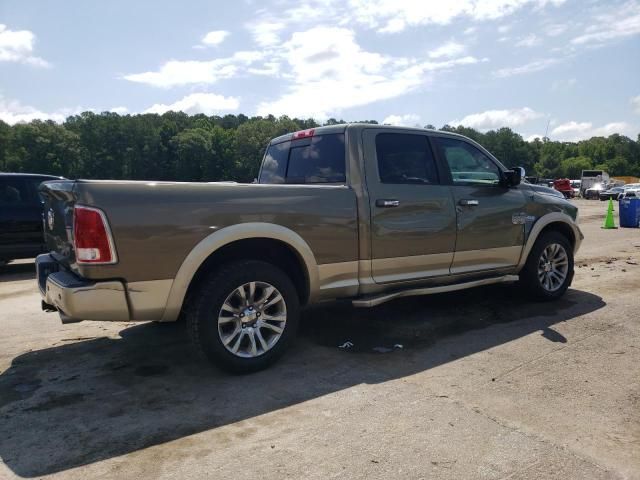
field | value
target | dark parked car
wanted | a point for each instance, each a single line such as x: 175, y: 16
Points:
x: 614, y: 193
x: 21, y: 234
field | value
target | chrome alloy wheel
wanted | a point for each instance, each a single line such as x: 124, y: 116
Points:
x: 553, y: 267
x: 252, y: 319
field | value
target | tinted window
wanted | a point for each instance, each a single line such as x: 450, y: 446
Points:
x: 274, y: 166
x: 13, y: 191
x: 468, y: 165
x: 319, y: 159
x: 405, y: 158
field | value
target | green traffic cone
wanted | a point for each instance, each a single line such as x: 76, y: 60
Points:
x: 608, y: 220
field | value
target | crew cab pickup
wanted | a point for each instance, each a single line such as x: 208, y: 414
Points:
x: 362, y: 212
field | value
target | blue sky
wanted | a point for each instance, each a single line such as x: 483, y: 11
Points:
x: 571, y: 65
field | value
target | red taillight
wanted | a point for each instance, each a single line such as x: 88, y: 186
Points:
x: 91, y: 236
x: 303, y: 134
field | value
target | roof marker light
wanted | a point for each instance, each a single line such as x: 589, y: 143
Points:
x: 303, y: 133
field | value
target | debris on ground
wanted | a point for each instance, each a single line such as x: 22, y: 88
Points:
x: 346, y: 345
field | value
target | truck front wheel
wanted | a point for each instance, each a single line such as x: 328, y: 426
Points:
x: 549, y: 268
x: 243, y: 316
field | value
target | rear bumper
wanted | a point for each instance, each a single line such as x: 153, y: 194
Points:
x: 78, y: 299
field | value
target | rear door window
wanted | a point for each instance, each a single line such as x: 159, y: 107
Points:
x: 318, y: 159
x: 405, y: 158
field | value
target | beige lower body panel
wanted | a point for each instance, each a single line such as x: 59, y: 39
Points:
x: 401, y: 269
x: 338, y: 280
x: 148, y: 299
x: 485, y: 259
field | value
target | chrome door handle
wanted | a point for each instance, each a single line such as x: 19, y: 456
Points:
x: 469, y: 203
x: 387, y: 203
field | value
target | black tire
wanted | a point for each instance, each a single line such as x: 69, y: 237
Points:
x: 205, y: 306
x: 529, y: 276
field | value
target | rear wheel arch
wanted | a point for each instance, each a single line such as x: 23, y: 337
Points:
x: 268, y: 250
x: 258, y: 241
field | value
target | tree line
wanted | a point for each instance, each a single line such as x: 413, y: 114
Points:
x: 177, y: 146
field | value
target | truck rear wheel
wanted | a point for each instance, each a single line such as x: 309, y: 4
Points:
x: 243, y: 316
x: 549, y: 268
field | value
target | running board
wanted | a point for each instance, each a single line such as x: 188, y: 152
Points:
x: 375, y: 301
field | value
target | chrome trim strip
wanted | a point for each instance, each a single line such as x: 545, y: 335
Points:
x: 374, y: 301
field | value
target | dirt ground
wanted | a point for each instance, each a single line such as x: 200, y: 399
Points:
x: 486, y: 385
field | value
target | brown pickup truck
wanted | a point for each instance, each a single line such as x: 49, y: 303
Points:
x: 364, y: 212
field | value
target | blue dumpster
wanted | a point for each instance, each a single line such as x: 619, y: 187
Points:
x: 630, y: 212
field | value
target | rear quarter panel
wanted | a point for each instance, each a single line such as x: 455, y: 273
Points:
x: 155, y: 225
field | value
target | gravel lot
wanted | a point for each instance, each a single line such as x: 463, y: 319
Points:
x: 486, y: 385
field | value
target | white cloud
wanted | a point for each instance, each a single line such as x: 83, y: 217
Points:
x: 390, y: 16
x: 573, y: 131
x: 266, y: 33
x: 177, y: 72
x: 207, y: 103
x: 530, y: 40
x: 331, y: 72
x: 12, y: 112
x: 492, y: 119
x: 447, y: 50
x: 504, y: 29
x: 621, y: 21
x: 215, y: 37
x: 17, y: 46
x: 531, y: 138
x: 119, y: 110
x: 635, y: 102
x: 530, y: 67
x: 407, y: 120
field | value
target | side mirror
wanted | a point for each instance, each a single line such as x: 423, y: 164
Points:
x: 514, y: 177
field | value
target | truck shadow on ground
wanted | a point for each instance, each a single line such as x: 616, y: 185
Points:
x: 91, y: 399
x: 17, y: 271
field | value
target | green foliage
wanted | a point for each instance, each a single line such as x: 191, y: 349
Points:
x: 176, y: 146
x: 572, y: 167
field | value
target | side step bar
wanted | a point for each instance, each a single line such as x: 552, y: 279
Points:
x: 367, y: 302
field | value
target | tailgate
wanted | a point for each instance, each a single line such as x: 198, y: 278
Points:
x: 59, y: 200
